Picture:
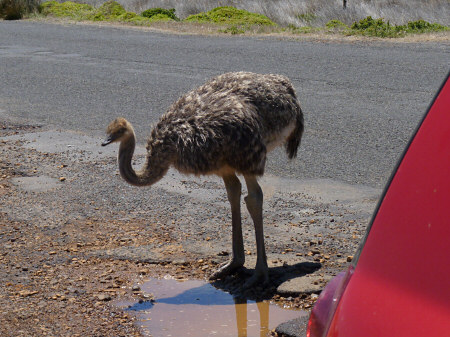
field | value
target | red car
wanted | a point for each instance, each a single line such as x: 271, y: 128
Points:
x: 399, y: 282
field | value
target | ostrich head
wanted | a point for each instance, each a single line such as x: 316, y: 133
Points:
x: 118, y: 130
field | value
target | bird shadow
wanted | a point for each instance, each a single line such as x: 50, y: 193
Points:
x: 234, y: 284
x: 230, y: 290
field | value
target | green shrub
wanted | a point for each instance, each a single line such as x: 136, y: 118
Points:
x: 233, y: 30
x: 110, y: 10
x: 127, y: 16
x: 68, y: 9
x: 160, y: 17
x: 300, y: 30
x: 232, y: 16
x: 335, y: 24
x: 133, y: 18
x: 422, y: 26
x: 161, y: 13
x: 377, y: 27
x: 16, y: 9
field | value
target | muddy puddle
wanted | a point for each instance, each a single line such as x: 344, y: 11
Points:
x: 196, y: 308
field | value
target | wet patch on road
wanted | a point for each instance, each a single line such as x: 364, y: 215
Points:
x: 36, y: 184
x: 196, y: 308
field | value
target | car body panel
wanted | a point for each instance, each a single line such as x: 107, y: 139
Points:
x: 401, y: 281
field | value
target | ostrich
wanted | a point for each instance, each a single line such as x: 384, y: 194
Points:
x: 224, y: 127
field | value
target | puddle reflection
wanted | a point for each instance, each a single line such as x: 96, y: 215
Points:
x: 196, y: 308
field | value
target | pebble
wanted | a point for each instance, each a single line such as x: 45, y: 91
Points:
x: 26, y: 293
x: 103, y: 297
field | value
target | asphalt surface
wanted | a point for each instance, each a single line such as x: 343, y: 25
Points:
x: 362, y: 100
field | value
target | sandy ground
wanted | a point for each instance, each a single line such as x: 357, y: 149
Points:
x: 74, y: 236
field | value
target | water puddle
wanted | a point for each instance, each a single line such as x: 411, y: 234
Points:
x: 196, y: 308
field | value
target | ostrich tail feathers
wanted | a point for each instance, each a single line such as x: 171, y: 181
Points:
x: 294, y: 139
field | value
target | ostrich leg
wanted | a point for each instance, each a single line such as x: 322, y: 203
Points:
x: 254, y: 202
x: 233, y: 187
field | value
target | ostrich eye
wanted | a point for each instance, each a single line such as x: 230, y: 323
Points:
x: 120, y: 132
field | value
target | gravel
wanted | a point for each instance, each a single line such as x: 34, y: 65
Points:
x: 70, y: 247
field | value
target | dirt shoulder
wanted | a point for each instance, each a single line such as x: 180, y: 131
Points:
x: 74, y: 236
x: 261, y: 32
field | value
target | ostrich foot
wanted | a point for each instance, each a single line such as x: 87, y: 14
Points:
x: 227, y: 269
x: 260, y: 277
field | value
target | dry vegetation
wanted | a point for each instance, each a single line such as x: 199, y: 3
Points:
x: 310, y: 12
x: 381, y: 19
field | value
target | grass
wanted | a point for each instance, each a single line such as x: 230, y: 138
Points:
x: 307, y: 18
x: 230, y: 20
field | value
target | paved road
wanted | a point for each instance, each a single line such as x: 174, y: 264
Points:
x: 362, y: 100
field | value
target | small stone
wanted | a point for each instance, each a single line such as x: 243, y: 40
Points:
x: 26, y: 293
x: 349, y: 258
x: 103, y: 297
x: 62, y: 179
x: 136, y: 288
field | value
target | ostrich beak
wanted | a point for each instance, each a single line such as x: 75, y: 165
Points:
x: 108, y: 140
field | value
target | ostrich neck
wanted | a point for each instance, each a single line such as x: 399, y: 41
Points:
x: 152, y: 171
